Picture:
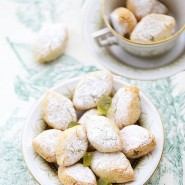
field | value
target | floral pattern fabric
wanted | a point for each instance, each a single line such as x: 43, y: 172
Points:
x: 23, y: 81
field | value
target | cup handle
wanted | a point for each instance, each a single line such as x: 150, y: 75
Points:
x: 104, y: 37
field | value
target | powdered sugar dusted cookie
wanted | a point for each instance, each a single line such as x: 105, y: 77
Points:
x: 123, y: 21
x: 103, y: 134
x: 91, y: 88
x: 114, y: 167
x: 76, y: 175
x: 153, y: 28
x: 83, y: 121
x: 71, y: 146
x: 50, y: 42
x: 137, y: 141
x: 159, y: 8
x: 57, y: 110
x: 45, y: 144
x: 86, y: 116
x: 125, y: 107
x: 140, y: 8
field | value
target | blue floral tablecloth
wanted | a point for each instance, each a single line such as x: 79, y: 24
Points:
x: 23, y: 81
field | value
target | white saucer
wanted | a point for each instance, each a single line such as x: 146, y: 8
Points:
x: 124, y: 64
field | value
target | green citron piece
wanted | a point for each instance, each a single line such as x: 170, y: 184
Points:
x: 103, y: 105
x: 87, y: 158
x: 72, y: 124
x: 103, y: 182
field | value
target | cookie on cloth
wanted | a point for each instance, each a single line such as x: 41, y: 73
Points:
x: 153, y: 28
x: 50, y: 42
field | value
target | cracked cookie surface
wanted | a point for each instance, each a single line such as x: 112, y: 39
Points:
x: 50, y: 42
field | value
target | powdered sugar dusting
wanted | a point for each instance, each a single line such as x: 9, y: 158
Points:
x: 141, y: 7
x: 153, y: 27
x: 87, y: 115
x: 121, y: 28
x: 114, y: 167
x: 103, y: 135
x: 91, y: 88
x: 47, y: 141
x: 50, y: 38
x: 125, y: 108
x: 60, y: 110
x: 110, y: 161
x: 135, y: 136
x: 159, y: 8
x: 71, y: 146
x: 80, y: 173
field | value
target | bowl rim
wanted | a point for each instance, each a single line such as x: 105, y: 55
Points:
x: 116, y: 78
x: 175, y: 35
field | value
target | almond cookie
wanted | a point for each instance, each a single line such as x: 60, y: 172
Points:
x: 50, y: 43
x: 91, y: 89
x: 83, y: 121
x: 125, y: 107
x: 137, y: 141
x: 140, y: 8
x: 58, y: 111
x: 159, y: 8
x: 103, y: 134
x: 71, y: 146
x: 153, y: 28
x: 76, y: 175
x: 45, y: 144
x: 123, y: 21
x: 113, y: 167
x: 86, y: 116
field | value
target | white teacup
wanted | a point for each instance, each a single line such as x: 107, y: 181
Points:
x: 108, y: 36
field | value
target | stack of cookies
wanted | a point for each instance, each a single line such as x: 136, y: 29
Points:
x: 105, y: 135
x: 143, y: 21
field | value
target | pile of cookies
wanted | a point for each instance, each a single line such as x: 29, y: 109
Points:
x: 143, y: 21
x: 93, y: 136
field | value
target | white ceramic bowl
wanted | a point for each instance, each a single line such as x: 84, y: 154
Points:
x: 45, y: 174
